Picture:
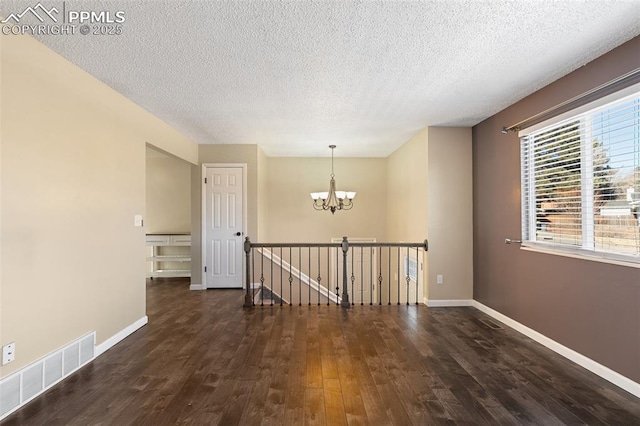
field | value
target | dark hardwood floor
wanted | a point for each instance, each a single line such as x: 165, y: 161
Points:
x: 204, y: 360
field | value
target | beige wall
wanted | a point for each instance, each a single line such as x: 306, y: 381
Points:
x: 290, y: 210
x: 73, y: 177
x: 430, y: 196
x: 407, y: 215
x: 263, y: 196
x: 168, y: 193
x: 450, y: 213
x: 407, y: 189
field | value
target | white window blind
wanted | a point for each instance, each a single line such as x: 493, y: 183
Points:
x: 581, y: 181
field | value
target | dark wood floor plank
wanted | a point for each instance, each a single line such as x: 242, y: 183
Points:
x: 403, y: 363
x: 204, y: 360
x: 532, y: 399
x: 354, y: 407
x: 327, y: 353
x: 333, y: 402
x: 547, y: 394
x: 407, y: 383
x: 281, y: 348
x: 202, y: 402
x: 371, y: 399
x: 261, y: 408
x: 314, y: 357
x: 375, y: 350
x: 314, y: 408
x: 296, y: 366
x: 236, y: 403
x: 455, y: 357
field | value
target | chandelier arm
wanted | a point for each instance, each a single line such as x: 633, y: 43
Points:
x: 317, y: 206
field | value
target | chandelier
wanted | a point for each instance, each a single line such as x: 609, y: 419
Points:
x: 333, y: 200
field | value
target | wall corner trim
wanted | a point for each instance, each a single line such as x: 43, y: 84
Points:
x: 116, y: 338
x: 448, y: 303
x: 583, y: 361
x: 196, y: 287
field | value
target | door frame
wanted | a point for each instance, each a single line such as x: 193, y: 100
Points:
x: 203, y: 213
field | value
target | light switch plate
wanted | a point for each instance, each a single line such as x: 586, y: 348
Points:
x: 137, y: 220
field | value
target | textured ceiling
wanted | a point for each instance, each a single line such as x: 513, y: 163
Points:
x: 294, y: 77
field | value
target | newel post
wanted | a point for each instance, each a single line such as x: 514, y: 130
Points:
x: 345, y: 296
x: 248, y: 297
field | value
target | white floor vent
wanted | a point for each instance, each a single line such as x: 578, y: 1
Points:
x: 24, y: 385
x: 52, y: 369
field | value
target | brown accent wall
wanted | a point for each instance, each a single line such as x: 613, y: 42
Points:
x: 590, y: 307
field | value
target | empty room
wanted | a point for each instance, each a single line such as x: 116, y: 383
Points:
x: 319, y: 212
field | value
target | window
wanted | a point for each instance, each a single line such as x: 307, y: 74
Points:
x: 581, y: 180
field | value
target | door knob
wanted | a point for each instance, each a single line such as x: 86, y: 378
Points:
x: 238, y: 233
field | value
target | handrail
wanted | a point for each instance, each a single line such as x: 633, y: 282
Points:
x: 424, y: 244
x: 295, y: 245
x: 345, y: 245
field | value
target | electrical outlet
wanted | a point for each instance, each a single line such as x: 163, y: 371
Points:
x: 440, y: 279
x: 137, y: 220
x: 8, y: 353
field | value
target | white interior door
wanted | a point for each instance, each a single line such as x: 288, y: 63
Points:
x: 223, y: 234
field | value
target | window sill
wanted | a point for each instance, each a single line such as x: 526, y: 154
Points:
x: 576, y: 254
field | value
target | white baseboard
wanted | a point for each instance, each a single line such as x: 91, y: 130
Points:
x: 197, y: 287
x: 448, y: 303
x: 591, y: 365
x: 116, y: 338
